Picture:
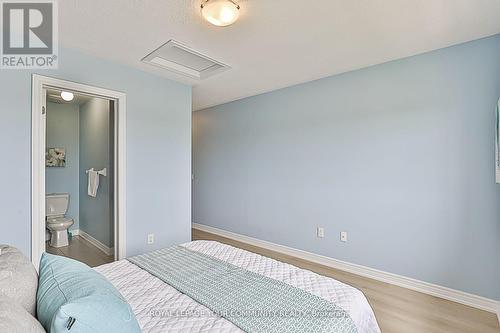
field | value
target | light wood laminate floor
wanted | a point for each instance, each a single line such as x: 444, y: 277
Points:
x: 81, y: 250
x: 398, y: 310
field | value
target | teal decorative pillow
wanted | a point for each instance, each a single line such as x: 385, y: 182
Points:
x: 73, y: 297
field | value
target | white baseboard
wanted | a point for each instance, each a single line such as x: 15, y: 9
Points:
x: 108, y: 250
x: 457, y: 296
x: 75, y: 232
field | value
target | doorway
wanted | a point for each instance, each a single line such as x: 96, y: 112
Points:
x: 78, y: 171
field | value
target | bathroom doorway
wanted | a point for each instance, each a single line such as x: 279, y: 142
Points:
x: 78, y: 172
x: 79, y: 176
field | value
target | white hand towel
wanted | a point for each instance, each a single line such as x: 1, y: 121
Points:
x: 93, y: 183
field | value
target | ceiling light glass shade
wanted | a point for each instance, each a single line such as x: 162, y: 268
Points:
x: 220, y: 12
x: 67, y: 96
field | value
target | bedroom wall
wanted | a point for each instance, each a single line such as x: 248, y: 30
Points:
x: 399, y: 155
x: 158, y: 150
x: 62, y: 132
x: 96, y: 218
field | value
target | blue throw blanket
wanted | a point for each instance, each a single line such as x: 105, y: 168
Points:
x: 253, y: 302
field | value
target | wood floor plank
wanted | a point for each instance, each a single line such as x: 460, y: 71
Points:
x: 398, y: 310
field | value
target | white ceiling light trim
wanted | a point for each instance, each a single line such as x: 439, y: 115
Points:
x: 178, y: 58
x: 220, y: 12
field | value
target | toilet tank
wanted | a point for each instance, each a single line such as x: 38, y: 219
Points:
x: 56, y: 204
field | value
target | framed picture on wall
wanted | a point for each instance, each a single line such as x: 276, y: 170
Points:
x: 55, y: 157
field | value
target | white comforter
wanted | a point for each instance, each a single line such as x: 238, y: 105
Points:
x: 161, y: 308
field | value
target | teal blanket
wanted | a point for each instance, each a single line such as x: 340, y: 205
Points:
x: 253, y: 302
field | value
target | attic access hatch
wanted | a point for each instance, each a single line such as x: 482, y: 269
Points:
x: 175, y: 57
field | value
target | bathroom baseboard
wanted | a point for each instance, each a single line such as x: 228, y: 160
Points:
x: 107, y: 250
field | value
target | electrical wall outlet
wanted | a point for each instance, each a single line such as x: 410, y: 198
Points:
x: 151, y: 238
x: 320, y: 232
x: 343, y: 236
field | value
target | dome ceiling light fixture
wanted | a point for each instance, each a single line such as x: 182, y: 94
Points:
x: 220, y: 12
x: 67, y: 96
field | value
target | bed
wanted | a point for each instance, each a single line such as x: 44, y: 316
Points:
x: 159, y: 307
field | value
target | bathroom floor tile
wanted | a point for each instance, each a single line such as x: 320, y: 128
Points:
x: 81, y: 250
x: 53, y: 250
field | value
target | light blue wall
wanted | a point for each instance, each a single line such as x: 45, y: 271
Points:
x: 158, y: 150
x: 400, y: 155
x: 96, y: 152
x: 62, y: 132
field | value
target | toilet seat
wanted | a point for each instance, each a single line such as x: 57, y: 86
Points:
x: 57, y: 220
x: 58, y: 224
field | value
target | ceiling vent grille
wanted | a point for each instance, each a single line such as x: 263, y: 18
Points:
x: 180, y: 59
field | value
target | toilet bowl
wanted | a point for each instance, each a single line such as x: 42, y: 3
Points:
x: 56, y: 206
x: 58, y: 228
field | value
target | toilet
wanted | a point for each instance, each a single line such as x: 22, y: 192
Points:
x: 56, y: 206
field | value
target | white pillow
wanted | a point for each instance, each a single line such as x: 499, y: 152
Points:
x: 14, y: 318
x: 18, y: 278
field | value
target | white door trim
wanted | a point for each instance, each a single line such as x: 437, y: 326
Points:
x: 38, y: 132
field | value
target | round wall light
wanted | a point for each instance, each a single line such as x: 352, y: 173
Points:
x: 220, y: 12
x: 67, y: 96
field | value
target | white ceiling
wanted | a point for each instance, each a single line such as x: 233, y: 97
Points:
x: 276, y: 43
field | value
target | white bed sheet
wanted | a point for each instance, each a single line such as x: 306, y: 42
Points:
x: 159, y: 307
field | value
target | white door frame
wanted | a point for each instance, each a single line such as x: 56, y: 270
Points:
x: 38, y: 134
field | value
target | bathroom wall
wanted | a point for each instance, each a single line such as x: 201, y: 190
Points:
x: 62, y: 132
x: 96, y: 214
